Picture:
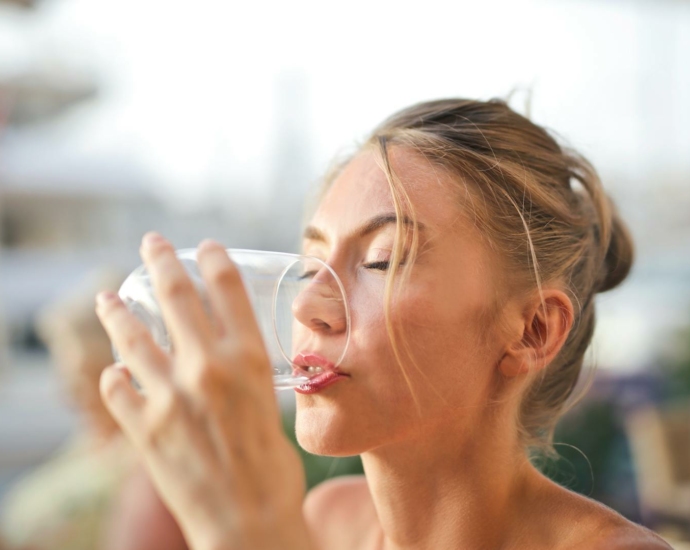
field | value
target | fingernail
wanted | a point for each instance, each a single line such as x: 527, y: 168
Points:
x: 103, y: 298
x: 152, y: 238
x: 208, y: 243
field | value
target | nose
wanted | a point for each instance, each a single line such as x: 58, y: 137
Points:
x: 320, y: 304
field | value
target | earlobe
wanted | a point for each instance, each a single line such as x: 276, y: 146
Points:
x: 513, y: 363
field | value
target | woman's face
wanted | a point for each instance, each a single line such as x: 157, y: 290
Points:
x: 443, y: 312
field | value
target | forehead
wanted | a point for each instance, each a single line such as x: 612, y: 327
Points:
x: 361, y: 191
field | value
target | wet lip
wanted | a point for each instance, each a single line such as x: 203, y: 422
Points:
x: 319, y: 382
x: 303, y: 360
x: 329, y: 374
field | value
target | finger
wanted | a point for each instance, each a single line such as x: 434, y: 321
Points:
x: 121, y: 399
x: 147, y: 362
x: 183, y: 311
x: 227, y: 294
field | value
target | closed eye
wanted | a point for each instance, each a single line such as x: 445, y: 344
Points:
x: 381, y: 266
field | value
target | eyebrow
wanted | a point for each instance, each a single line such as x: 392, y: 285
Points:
x: 374, y: 224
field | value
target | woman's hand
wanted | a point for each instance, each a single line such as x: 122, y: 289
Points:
x: 208, y: 426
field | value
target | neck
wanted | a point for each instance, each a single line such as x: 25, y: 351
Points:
x: 445, y: 490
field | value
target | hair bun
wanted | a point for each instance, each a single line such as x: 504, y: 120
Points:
x: 620, y: 254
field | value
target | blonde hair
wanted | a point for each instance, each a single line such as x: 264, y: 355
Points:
x: 541, y: 207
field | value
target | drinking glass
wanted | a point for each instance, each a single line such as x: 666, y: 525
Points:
x: 298, y: 301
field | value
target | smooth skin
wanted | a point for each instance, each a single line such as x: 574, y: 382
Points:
x: 444, y: 465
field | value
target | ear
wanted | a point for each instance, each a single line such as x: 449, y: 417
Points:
x: 542, y: 329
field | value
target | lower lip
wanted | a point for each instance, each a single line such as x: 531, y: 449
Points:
x: 319, y: 382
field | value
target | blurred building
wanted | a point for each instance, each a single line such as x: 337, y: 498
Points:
x: 55, y: 226
x: 52, y: 238
x: 21, y: 3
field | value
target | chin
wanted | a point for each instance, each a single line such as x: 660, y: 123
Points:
x: 327, y: 433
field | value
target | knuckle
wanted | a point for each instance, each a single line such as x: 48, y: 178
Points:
x: 253, y: 356
x: 175, y: 287
x: 168, y: 404
x: 237, y: 350
x: 226, y: 275
x: 110, y: 385
x: 162, y: 414
x: 151, y: 437
x: 208, y: 376
x: 248, y: 359
x: 136, y: 339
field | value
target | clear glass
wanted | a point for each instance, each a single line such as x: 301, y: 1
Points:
x: 298, y: 301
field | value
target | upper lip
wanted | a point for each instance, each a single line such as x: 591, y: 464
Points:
x: 306, y: 359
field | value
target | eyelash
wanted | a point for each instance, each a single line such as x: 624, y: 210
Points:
x: 380, y: 266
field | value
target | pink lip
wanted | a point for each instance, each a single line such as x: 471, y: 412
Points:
x: 330, y: 374
x: 308, y: 359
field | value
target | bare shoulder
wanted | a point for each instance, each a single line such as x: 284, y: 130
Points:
x: 618, y: 533
x: 340, y: 513
x: 598, y: 527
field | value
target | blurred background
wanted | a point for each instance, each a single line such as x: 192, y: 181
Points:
x: 215, y: 119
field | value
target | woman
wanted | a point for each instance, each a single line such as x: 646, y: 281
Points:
x: 471, y: 246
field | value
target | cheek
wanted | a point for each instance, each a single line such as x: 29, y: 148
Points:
x: 429, y: 323
x: 371, y: 343
x: 444, y: 335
